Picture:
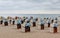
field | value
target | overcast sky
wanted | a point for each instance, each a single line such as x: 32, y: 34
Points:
x: 29, y: 5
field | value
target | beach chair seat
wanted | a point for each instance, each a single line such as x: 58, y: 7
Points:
x: 34, y: 24
x: 55, y: 29
x: 6, y: 23
x: 27, y: 29
x: 18, y: 26
x: 42, y: 26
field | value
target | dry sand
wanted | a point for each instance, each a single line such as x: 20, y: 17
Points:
x: 12, y: 32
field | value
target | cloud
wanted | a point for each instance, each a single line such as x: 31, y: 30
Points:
x: 29, y: 4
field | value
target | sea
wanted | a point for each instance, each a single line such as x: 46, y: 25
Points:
x: 34, y: 15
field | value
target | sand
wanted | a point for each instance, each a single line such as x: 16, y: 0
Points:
x: 11, y: 31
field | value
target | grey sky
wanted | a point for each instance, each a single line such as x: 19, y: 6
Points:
x: 29, y: 4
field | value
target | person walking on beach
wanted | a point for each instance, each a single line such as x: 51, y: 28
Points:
x: 27, y: 26
x: 18, y: 23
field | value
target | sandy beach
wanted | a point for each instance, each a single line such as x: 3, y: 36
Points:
x: 29, y: 18
x: 11, y: 31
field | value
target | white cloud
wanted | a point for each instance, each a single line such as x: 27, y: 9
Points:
x: 29, y: 4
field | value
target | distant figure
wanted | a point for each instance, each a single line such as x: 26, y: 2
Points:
x: 6, y: 22
x: 27, y: 26
x: 42, y: 24
x: 55, y: 27
x: 18, y: 23
x: 34, y: 23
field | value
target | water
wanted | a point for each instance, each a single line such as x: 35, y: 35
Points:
x: 34, y: 15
